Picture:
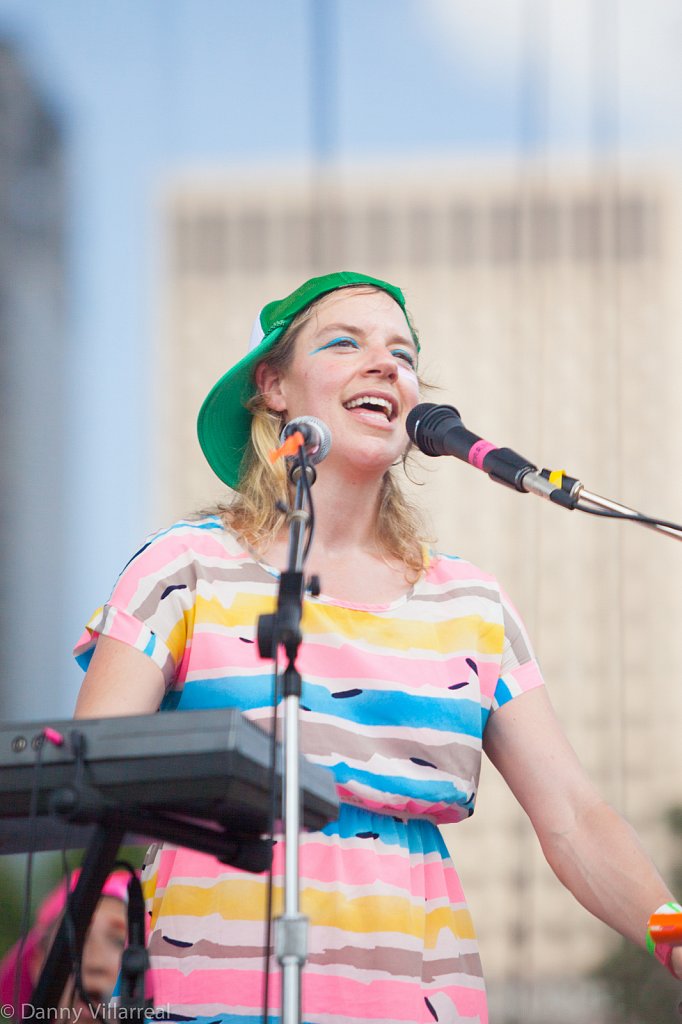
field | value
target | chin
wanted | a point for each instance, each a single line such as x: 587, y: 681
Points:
x: 376, y: 467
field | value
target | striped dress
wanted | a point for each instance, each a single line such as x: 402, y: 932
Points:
x: 395, y: 701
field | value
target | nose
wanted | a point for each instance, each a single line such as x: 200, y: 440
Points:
x: 381, y: 363
x: 100, y: 962
x: 101, y: 971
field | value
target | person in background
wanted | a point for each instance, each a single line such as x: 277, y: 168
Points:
x: 413, y: 663
x: 101, y: 959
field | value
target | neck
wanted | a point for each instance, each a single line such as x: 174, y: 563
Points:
x: 345, y: 512
x: 344, y: 552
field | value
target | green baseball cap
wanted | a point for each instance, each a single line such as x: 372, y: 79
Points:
x: 224, y: 424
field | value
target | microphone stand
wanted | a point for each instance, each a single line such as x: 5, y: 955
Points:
x: 571, y: 493
x: 438, y: 430
x: 283, y: 628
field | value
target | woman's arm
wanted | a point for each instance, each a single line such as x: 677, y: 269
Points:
x: 591, y: 849
x: 120, y: 680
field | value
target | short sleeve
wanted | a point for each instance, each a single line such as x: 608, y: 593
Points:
x: 151, y: 605
x: 519, y: 669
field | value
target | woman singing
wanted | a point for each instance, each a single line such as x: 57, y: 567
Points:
x: 413, y: 663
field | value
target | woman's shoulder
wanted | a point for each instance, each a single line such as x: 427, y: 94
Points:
x: 197, y: 538
x: 444, y: 569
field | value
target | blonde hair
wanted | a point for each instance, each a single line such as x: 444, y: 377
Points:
x: 255, y: 513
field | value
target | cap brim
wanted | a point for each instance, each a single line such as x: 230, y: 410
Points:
x: 224, y: 422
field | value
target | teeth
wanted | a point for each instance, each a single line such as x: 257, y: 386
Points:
x: 370, y: 400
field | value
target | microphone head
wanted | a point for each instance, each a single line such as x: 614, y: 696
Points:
x: 415, y: 417
x: 427, y: 421
x: 317, y: 435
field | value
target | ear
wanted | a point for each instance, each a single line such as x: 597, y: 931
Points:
x: 269, y: 383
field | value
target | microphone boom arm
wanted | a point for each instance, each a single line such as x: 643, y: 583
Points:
x: 578, y: 497
x: 438, y: 430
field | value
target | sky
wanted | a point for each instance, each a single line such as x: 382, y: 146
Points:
x: 144, y: 88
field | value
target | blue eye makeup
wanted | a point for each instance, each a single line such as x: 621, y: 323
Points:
x: 402, y: 353
x: 344, y: 341
x: 336, y: 342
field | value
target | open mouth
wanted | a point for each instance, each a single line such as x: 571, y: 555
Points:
x: 373, y: 404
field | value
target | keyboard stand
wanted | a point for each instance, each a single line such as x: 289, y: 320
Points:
x: 83, y: 804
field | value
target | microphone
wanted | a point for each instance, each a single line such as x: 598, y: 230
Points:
x: 438, y: 430
x: 317, y: 437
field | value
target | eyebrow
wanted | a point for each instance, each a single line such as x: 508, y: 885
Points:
x: 398, y: 339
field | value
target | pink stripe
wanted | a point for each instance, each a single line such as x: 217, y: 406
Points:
x: 84, y: 641
x: 357, y: 868
x: 453, y: 570
x: 478, y: 452
x: 127, y: 628
x: 375, y: 1000
x: 527, y: 676
x: 192, y: 546
x: 118, y: 624
x: 488, y: 674
x: 347, y: 663
x: 211, y: 649
x: 354, y: 867
x: 437, y: 813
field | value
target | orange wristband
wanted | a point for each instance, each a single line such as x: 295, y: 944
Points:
x: 664, y: 932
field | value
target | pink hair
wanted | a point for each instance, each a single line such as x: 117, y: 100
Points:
x: 49, y: 910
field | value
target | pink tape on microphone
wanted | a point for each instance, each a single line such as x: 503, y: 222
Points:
x: 478, y: 452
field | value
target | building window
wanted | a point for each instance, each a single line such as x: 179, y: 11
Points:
x: 251, y: 237
x: 421, y: 236
x: 462, y: 235
x: 209, y: 243
x: 379, y: 235
x: 631, y: 229
x: 505, y: 233
x: 544, y: 225
x: 297, y: 239
x: 588, y: 229
x: 333, y: 241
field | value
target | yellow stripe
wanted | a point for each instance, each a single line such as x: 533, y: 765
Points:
x: 181, y: 633
x: 468, y: 631
x: 556, y: 477
x: 95, y: 618
x: 244, y: 609
x: 243, y: 900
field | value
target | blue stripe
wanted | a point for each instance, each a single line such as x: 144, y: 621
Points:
x: 419, y: 789
x: 243, y: 692
x: 394, y: 707
x: 413, y: 834
x: 211, y: 523
x: 502, y: 692
x: 171, y: 701
x: 84, y: 659
x: 370, y: 707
